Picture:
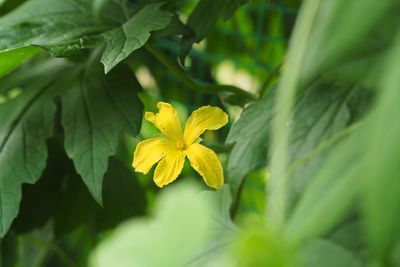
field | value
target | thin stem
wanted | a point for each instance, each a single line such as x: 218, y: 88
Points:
x: 277, y: 199
x: 190, y: 82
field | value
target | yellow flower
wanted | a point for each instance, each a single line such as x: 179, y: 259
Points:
x: 175, y: 145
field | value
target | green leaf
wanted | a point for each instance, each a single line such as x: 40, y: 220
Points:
x: 320, y: 118
x: 249, y: 134
x: 339, y: 173
x: 55, y: 25
x: 133, y: 34
x: 339, y: 37
x: 203, y: 19
x: 11, y: 59
x: 124, y: 197
x: 320, y: 252
x: 96, y: 109
x: 182, y: 222
x: 381, y: 169
x: 38, y: 11
x: 26, y: 123
x: 320, y: 112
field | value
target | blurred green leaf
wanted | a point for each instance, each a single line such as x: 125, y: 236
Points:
x: 319, y: 209
x: 203, y: 19
x: 320, y: 117
x: 381, y: 169
x: 320, y: 252
x: 259, y: 245
x: 106, y: 106
x: 182, y: 222
x: 339, y: 36
x: 11, y: 59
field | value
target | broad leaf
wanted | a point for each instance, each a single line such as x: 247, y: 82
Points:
x: 133, y: 34
x: 340, y: 37
x: 181, y: 223
x: 320, y: 113
x: 11, y: 59
x: 320, y: 116
x: 55, y: 25
x: 96, y: 109
x: 250, y: 134
x: 381, y: 170
x: 26, y: 123
x: 339, y: 173
x: 203, y: 19
x: 320, y: 252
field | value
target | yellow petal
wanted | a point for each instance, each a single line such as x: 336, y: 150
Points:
x: 166, y: 120
x: 207, y: 164
x: 169, y: 168
x: 204, y: 118
x: 149, y: 152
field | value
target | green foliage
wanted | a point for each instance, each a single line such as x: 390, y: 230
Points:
x: 133, y: 34
x: 311, y: 156
x: 204, y: 17
x: 11, y: 59
x: 182, y: 221
x: 107, y: 106
x: 27, y: 122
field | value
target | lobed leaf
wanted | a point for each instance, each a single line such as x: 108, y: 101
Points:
x: 133, y: 34
x: 26, y: 123
x: 96, y: 109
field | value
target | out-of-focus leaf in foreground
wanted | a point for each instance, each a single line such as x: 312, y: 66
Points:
x: 381, y: 169
x: 176, y: 235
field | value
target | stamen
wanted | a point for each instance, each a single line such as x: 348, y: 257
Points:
x: 180, y: 145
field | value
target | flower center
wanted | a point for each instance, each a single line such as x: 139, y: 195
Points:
x: 180, y: 145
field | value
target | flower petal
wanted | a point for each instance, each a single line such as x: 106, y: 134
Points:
x: 207, y: 164
x: 204, y: 118
x: 166, y: 120
x: 149, y: 152
x: 169, y: 168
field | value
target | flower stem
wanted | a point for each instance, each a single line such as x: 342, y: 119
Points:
x: 191, y: 83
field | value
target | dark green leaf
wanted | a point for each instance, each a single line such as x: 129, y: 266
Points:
x: 124, y: 198
x: 133, y: 34
x: 55, y: 25
x: 26, y: 123
x: 203, y: 19
x: 250, y: 135
x: 96, y: 110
